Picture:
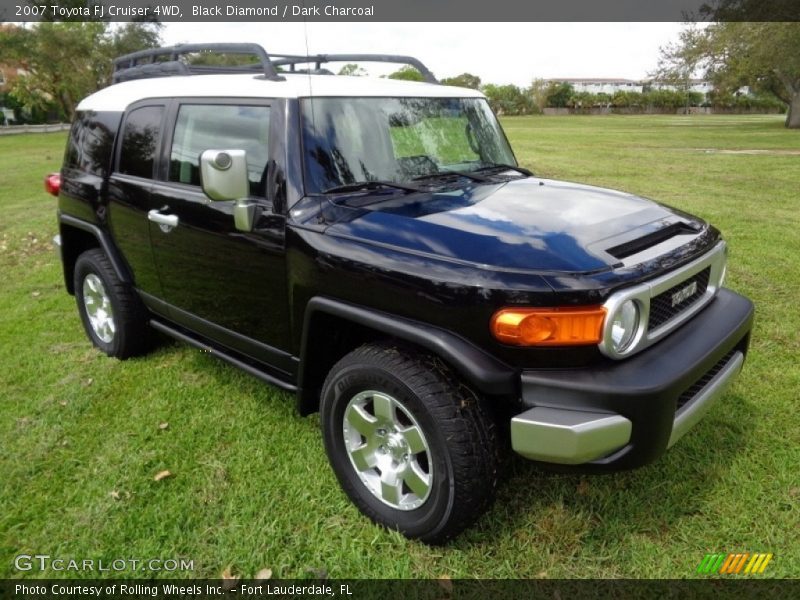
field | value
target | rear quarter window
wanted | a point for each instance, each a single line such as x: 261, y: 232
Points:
x: 140, y: 137
x: 91, y: 141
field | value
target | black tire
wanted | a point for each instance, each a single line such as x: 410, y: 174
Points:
x: 461, y: 457
x: 129, y: 320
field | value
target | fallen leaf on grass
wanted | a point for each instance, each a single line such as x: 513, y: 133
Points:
x: 162, y: 475
x: 62, y: 402
x: 163, y: 426
x: 583, y: 487
x: 88, y: 382
x: 263, y: 574
x: 228, y: 573
x: 114, y: 494
x: 36, y: 294
x: 229, y: 579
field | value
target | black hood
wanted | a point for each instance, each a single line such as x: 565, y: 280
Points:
x: 527, y: 224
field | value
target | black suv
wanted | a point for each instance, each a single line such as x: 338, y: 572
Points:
x: 372, y: 246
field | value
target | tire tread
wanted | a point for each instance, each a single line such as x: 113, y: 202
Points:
x: 130, y: 315
x: 466, y: 423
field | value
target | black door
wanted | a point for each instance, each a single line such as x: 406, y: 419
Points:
x: 226, y: 284
x: 129, y: 193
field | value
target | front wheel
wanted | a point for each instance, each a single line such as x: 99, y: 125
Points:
x: 412, y: 446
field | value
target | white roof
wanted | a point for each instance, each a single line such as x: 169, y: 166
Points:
x: 117, y: 97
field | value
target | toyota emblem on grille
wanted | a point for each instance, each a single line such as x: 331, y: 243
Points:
x: 684, y: 294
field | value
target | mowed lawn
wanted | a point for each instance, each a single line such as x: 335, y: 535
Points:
x: 83, y: 435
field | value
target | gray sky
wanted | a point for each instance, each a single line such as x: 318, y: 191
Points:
x: 496, y: 52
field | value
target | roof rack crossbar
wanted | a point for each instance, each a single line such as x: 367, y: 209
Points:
x: 291, y: 60
x: 143, y: 64
x: 149, y: 63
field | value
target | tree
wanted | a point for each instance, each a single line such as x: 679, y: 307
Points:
x: 407, y: 73
x: 537, y: 92
x: 63, y: 62
x: 559, y: 94
x: 732, y: 54
x: 508, y: 99
x: 467, y: 80
x: 353, y: 69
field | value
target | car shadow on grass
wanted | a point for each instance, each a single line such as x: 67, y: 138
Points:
x: 567, y: 511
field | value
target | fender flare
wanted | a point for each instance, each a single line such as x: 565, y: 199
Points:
x: 120, y: 267
x: 485, y: 372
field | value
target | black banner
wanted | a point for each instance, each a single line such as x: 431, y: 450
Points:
x: 399, y: 11
x: 381, y: 589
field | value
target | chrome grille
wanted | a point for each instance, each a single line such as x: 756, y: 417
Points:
x: 689, y: 287
x: 662, y: 308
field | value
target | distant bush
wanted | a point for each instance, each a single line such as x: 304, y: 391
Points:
x: 732, y: 101
x: 559, y: 95
x: 509, y: 99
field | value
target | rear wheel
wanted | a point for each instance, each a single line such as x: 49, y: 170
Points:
x: 412, y: 446
x: 112, y: 314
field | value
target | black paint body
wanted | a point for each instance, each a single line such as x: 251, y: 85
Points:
x: 319, y: 273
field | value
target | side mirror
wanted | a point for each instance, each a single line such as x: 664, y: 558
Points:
x: 223, y: 174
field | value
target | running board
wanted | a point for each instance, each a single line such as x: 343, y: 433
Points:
x: 255, y: 372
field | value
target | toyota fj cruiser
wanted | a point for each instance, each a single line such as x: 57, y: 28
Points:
x: 372, y: 246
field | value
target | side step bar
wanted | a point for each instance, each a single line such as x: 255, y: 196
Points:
x: 255, y: 372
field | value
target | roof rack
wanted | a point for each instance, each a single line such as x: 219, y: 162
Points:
x: 290, y: 60
x: 150, y: 63
x: 146, y: 64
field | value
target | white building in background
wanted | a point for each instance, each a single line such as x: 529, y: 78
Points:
x: 601, y: 85
x: 611, y: 86
x: 695, y: 85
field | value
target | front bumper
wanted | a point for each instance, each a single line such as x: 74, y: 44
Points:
x: 624, y: 414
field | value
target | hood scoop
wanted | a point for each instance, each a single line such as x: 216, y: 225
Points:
x: 646, y: 242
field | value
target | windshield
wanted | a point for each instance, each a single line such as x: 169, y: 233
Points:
x: 351, y: 140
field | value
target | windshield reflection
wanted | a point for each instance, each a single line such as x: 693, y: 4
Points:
x: 351, y: 140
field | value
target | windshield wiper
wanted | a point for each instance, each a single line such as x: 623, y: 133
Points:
x: 465, y: 174
x: 493, y: 166
x: 360, y: 186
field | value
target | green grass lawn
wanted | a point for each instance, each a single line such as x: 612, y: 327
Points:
x: 250, y: 485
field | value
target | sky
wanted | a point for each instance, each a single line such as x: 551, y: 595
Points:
x: 497, y: 52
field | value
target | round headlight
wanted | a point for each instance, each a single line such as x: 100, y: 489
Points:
x: 624, y: 325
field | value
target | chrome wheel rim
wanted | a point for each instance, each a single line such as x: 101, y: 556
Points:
x: 98, y: 308
x: 388, y: 450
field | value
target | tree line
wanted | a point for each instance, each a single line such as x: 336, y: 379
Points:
x: 510, y: 99
x: 63, y: 62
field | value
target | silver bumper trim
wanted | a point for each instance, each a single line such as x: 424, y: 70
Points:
x: 567, y: 437
x: 688, y: 416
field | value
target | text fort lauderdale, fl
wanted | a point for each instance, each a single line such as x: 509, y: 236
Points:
x: 124, y: 589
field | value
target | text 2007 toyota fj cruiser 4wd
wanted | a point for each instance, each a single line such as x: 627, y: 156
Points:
x: 372, y: 246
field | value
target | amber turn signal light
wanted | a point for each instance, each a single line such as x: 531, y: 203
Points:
x: 565, y: 326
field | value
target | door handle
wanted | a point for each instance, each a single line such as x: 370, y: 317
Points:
x: 157, y: 217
